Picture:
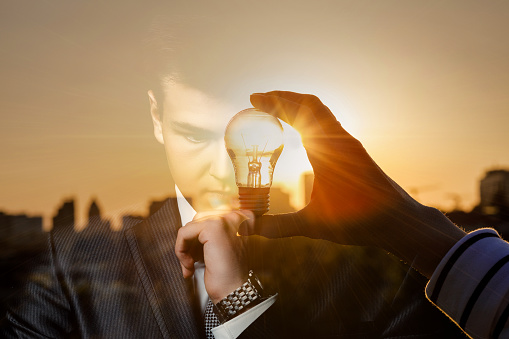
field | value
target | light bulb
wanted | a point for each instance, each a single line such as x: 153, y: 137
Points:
x: 254, y: 141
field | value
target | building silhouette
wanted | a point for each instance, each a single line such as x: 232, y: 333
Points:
x: 93, y: 210
x: 493, y: 208
x: 20, y: 229
x: 65, y: 215
x: 25, y: 229
x: 307, y: 179
x: 96, y: 234
x: 5, y: 226
x: 494, y: 188
x: 22, y: 240
x: 96, y: 224
x: 279, y: 201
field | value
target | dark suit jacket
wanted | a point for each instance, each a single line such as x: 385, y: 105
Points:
x: 101, y: 284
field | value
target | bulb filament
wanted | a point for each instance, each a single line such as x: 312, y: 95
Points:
x: 254, y: 177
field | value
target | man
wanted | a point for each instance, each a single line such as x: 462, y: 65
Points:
x: 155, y: 278
x: 191, y: 127
x: 150, y: 280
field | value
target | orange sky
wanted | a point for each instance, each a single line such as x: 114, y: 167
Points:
x: 422, y: 84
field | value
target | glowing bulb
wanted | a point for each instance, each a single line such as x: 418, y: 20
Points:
x: 254, y: 141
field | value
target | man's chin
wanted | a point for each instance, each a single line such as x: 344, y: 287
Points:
x: 216, y: 201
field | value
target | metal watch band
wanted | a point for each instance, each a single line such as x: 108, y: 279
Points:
x: 240, y: 300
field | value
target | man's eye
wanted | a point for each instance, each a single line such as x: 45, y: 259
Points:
x: 196, y: 139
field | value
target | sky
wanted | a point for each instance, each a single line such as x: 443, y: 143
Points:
x: 422, y: 84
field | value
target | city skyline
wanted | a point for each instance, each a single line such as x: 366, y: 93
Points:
x: 493, y: 187
x: 281, y: 202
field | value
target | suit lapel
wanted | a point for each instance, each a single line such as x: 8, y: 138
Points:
x: 152, y: 245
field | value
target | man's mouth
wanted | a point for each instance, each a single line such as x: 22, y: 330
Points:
x: 221, y: 199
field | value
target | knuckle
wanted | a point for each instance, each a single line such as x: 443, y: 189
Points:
x: 220, y: 225
x: 311, y: 100
x: 181, y: 233
x: 312, y: 97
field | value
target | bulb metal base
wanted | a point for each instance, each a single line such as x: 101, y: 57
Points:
x: 254, y: 199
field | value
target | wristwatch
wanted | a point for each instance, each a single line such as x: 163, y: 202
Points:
x: 240, y: 300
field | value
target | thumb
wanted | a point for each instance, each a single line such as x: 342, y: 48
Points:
x: 275, y: 226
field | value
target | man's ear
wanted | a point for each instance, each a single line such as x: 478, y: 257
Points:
x: 156, y: 117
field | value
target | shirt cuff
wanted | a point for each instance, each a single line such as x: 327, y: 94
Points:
x: 471, y: 284
x: 234, y: 327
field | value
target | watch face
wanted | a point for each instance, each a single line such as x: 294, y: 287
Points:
x: 255, y: 279
x: 258, y: 282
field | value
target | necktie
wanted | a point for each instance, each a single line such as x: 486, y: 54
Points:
x: 211, y: 320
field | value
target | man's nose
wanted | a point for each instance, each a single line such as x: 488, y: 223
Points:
x: 221, y: 167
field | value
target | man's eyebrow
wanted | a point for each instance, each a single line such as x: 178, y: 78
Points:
x: 185, y: 127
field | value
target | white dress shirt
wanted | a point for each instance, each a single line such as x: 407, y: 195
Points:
x: 234, y: 327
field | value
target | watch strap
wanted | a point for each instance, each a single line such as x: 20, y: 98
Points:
x: 240, y: 300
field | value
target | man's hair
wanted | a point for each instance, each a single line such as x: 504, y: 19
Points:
x: 159, y: 59
x: 209, y: 52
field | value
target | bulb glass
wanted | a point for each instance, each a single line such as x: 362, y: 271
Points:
x: 254, y: 141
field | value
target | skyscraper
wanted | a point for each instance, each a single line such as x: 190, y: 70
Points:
x: 307, y: 185
x: 65, y: 215
x: 93, y: 211
x: 95, y: 222
x: 495, y: 193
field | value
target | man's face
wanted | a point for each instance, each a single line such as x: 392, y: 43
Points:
x: 191, y: 128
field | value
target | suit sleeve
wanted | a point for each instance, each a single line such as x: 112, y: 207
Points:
x: 42, y: 309
x: 471, y: 284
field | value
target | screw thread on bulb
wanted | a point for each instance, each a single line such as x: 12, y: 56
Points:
x: 254, y: 199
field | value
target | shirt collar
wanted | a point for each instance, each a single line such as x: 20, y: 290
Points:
x: 186, y: 211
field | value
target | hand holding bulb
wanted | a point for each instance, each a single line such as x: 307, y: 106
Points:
x: 353, y: 201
